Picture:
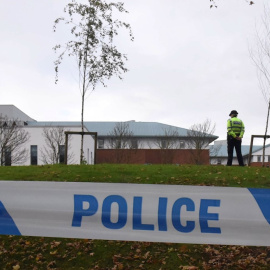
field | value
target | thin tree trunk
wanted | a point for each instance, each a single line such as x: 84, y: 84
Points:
x: 83, y: 94
x: 84, y: 87
x: 82, y: 126
x: 266, y: 127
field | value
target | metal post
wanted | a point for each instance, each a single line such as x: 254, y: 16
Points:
x: 250, y: 150
x: 79, y: 133
x: 66, y: 148
x: 95, y: 154
x: 251, y: 145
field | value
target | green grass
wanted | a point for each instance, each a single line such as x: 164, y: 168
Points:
x: 144, y: 174
x: 49, y: 253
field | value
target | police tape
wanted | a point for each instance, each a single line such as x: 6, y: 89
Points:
x: 136, y: 212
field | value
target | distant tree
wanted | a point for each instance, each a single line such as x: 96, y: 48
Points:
x: 12, y: 140
x: 199, y: 136
x: 169, y: 140
x: 53, y: 152
x: 260, y: 56
x: 94, y: 29
x: 121, y: 136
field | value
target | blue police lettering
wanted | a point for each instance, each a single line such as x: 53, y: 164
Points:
x: 79, y: 212
x: 137, y: 216
x: 162, y: 214
x: 205, y: 216
x: 106, y: 212
x: 176, y: 215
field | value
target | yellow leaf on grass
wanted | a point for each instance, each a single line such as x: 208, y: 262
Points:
x: 120, y: 266
x: 16, y: 267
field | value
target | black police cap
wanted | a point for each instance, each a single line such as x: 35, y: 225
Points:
x: 233, y: 112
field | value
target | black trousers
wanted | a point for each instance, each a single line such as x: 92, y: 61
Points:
x: 233, y: 143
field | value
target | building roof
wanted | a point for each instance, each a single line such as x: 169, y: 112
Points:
x: 139, y: 129
x: 13, y: 113
x: 254, y: 150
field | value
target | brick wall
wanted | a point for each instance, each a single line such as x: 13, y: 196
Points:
x: 151, y: 156
x: 259, y: 164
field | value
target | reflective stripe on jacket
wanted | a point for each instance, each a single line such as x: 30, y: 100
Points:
x: 235, y: 127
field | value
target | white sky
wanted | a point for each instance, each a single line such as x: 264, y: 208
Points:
x: 187, y: 63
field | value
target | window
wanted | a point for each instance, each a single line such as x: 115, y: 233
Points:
x: 34, y: 155
x: 268, y: 158
x: 7, y: 156
x: 259, y: 158
x: 134, y: 144
x: 118, y: 144
x: 62, y: 154
x: 101, y: 144
x: 219, y: 161
x: 182, y: 144
x: 164, y: 144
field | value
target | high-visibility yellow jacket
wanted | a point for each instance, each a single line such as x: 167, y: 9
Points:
x: 235, y: 127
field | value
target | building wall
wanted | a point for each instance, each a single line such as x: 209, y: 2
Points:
x: 219, y: 155
x: 75, y: 147
x: 145, y: 143
x: 257, y: 157
x: 149, y: 156
x: 36, y: 138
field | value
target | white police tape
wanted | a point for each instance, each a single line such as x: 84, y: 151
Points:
x: 136, y: 212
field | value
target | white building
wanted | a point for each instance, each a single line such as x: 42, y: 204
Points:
x: 38, y: 151
x: 136, y: 135
x: 37, y: 146
x: 219, y: 154
x: 141, y: 135
x: 257, y: 155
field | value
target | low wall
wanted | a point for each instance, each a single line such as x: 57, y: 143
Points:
x: 259, y: 164
x: 152, y: 156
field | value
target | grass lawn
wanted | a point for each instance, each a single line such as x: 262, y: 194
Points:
x: 49, y: 253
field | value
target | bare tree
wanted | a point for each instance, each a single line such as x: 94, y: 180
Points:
x: 12, y: 140
x: 121, y: 137
x: 94, y: 29
x: 260, y: 56
x: 199, y: 136
x: 169, y: 140
x: 54, y: 151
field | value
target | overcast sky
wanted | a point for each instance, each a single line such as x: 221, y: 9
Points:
x: 187, y: 63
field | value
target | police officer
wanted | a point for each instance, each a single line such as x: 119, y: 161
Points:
x: 236, y: 129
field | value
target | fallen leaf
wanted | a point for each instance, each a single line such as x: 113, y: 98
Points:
x: 120, y: 266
